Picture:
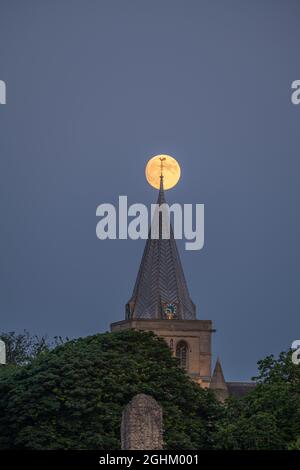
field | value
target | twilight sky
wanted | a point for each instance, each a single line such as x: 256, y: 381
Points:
x: 95, y: 88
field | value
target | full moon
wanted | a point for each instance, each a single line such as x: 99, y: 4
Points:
x: 170, y: 170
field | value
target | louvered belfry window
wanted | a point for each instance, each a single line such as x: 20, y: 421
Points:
x: 182, y: 354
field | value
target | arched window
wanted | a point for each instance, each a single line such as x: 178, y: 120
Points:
x: 182, y: 354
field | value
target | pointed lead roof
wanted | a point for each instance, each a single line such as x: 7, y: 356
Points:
x: 160, y: 289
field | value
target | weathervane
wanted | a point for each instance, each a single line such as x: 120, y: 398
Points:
x: 162, y: 166
x: 162, y: 159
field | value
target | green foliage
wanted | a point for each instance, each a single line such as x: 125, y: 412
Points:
x: 295, y: 445
x: 22, y: 347
x: 72, y: 397
x: 269, y: 416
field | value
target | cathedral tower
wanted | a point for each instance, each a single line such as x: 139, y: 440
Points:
x: 161, y: 303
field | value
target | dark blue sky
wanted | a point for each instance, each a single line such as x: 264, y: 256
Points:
x: 94, y: 88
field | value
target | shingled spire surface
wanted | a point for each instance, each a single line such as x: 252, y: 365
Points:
x: 160, y: 290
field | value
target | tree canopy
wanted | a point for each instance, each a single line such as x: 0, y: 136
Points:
x: 21, y: 347
x: 269, y: 416
x: 71, y: 396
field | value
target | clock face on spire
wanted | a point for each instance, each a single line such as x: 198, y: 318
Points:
x: 162, y: 166
x: 170, y: 310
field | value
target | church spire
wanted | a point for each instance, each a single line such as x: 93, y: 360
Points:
x: 160, y: 290
x: 161, y: 194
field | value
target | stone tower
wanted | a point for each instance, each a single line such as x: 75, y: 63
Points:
x: 161, y: 303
